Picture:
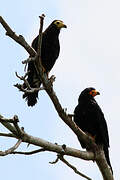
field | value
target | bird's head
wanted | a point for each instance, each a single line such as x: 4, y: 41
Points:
x: 88, y: 93
x: 59, y: 24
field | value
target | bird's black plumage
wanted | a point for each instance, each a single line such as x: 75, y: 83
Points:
x: 49, y: 53
x: 89, y: 117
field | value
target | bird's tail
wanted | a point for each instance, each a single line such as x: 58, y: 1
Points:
x: 34, y: 82
x: 31, y: 98
x: 106, y: 151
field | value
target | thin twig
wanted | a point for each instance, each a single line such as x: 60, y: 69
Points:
x: 8, y: 125
x: 23, y: 78
x: 6, y: 120
x: 54, y: 162
x: 29, y: 153
x: 33, y: 90
x: 28, y: 60
x: 2, y: 119
x: 28, y: 89
x: 12, y: 149
x: 7, y: 135
x: 72, y: 167
x: 40, y: 34
x: 38, y: 63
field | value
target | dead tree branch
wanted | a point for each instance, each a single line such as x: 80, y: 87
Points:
x: 28, y: 60
x: 29, y: 153
x: 23, y: 78
x: 29, y: 89
x: 7, y: 135
x: 60, y: 157
x: 5, y: 122
x: 48, y: 146
x: 12, y: 149
x: 72, y: 167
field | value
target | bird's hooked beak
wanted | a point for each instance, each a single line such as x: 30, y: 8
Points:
x: 94, y: 93
x: 62, y: 25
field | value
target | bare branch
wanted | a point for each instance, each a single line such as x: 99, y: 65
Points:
x: 67, y: 151
x: 60, y: 156
x: 7, y: 135
x: 40, y: 34
x: 29, y: 60
x: 6, y: 120
x: 9, y: 151
x: 2, y: 119
x: 29, y: 153
x: 38, y: 63
x: 48, y: 146
x: 54, y: 162
x: 6, y: 124
x: 33, y: 90
x: 29, y: 89
x: 23, y: 78
x: 72, y: 167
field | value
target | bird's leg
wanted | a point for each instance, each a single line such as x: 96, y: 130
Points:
x: 95, y: 150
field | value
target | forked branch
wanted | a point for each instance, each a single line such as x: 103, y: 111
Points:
x: 12, y: 149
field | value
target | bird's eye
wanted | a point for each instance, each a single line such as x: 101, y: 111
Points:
x: 57, y: 22
x: 91, y: 92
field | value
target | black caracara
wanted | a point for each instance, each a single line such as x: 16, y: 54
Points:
x: 49, y: 53
x: 89, y: 117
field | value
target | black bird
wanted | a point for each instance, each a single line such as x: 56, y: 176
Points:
x: 49, y: 53
x: 89, y: 118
